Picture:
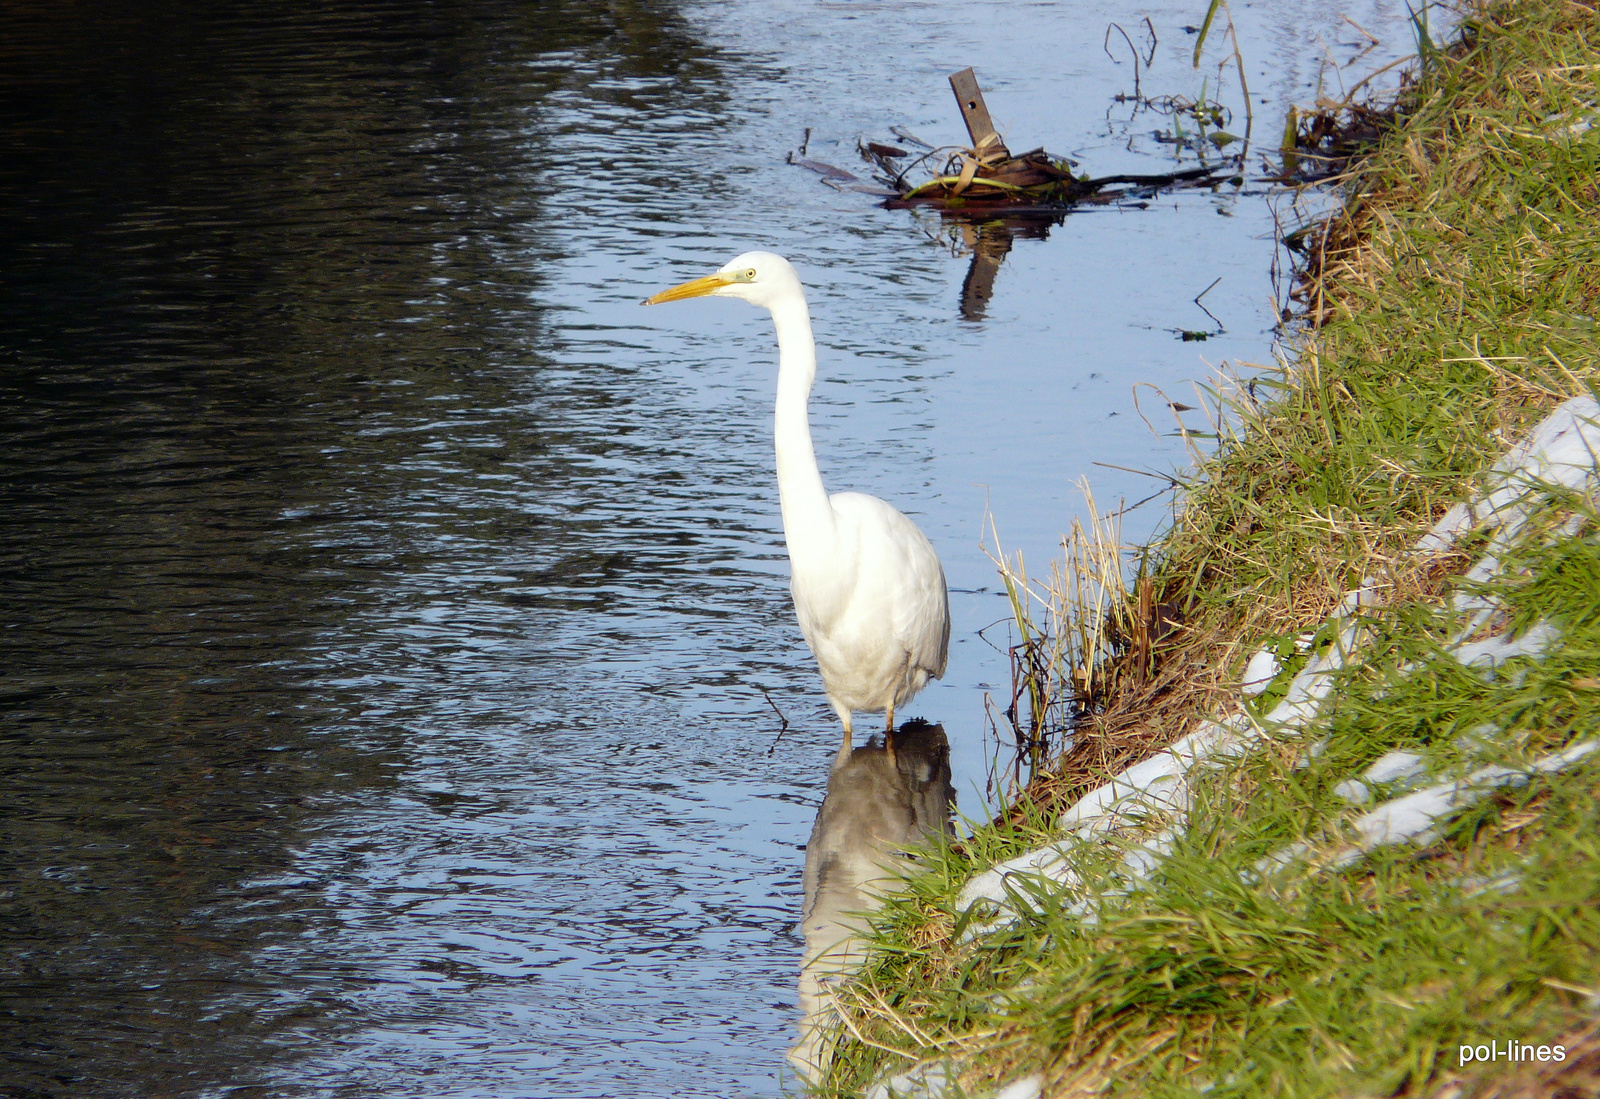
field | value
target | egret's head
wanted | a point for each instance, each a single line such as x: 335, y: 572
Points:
x: 760, y: 278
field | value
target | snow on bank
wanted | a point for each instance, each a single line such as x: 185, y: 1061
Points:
x: 1149, y: 802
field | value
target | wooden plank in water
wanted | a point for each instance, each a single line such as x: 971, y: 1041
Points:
x: 974, y: 112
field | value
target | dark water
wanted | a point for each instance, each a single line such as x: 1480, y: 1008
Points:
x: 389, y: 602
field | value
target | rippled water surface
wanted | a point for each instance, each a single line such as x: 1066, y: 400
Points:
x: 391, y: 606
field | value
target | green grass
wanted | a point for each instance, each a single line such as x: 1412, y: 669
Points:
x: 1457, y: 299
x: 1214, y: 977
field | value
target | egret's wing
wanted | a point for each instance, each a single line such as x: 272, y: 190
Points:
x: 906, y: 571
x: 924, y: 626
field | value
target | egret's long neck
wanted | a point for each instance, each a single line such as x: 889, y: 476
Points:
x: 808, y: 524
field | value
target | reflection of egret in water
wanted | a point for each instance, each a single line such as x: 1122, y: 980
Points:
x: 882, y: 798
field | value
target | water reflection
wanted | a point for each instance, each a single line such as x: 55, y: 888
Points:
x: 388, y: 612
x: 988, y: 243
x: 289, y: 496
x: 884, y: 797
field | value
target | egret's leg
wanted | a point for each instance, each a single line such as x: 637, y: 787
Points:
x: 888, y: 720
x: 844, y: 717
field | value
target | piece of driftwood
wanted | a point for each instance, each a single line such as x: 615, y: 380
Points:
x: 984, y: 179
x: 975, y: 112
x: 839, y: 179
x: 1037, y: 184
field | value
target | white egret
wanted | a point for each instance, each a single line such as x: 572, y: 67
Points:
x: 868, y: 588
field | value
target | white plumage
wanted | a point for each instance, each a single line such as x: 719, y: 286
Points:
x: 868, y: 588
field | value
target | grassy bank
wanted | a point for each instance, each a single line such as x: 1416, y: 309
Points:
x: 1452, y: 305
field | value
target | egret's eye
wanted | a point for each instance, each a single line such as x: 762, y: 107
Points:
x: 750, y: 274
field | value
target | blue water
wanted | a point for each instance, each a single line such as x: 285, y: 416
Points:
x: 393, y: 606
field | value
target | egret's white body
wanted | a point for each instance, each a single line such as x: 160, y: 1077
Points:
x: 868, y: 588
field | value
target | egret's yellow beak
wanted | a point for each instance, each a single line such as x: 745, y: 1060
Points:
x: 694, y: 288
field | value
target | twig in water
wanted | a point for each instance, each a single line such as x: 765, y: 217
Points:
x: 992, y: 625
x: 1207, y: 312
x: 783, y: 728
x: 1138, y: 95
x: 906, y: 135
x: 1156, y: 495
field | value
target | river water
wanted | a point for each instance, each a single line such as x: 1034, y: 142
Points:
x: 392, y: 606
